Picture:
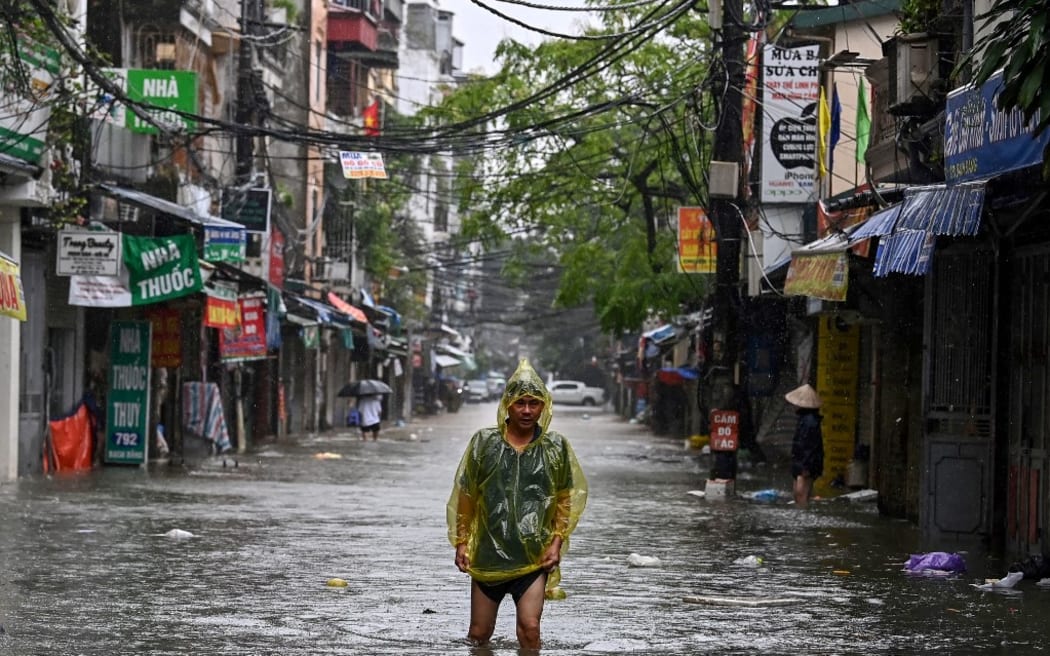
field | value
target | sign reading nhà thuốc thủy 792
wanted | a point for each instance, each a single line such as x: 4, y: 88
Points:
x: 127, y: 398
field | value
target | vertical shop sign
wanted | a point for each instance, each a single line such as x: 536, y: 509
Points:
x: 167, y: 338
x: 247, y: 341
x: 276, y: 273
x: 127, y: 399
x: 790, y: 91
x: 838, y: 365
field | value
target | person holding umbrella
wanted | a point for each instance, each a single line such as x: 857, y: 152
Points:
x: 371, y: 409
x: 369, y: 393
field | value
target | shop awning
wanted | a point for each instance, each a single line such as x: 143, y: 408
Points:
x: 878, y: 224
x: 445, y: 361
x: 452, y: 350
x: 326, y: 314
x: 15, y: 167
x: 148, y: 201
x: 346, y: 308
x: 927, y: 213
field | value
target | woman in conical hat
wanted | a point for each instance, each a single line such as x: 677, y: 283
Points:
x: 518, y: 494
x: 807, y: 446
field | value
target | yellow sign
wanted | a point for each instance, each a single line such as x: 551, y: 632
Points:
x: 12, y: 298
x: 838, y: 372
x: 822, y: 275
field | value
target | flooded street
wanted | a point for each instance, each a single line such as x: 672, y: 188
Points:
x: 88, y: 567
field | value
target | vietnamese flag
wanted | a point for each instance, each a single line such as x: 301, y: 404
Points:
x: 370, y: 118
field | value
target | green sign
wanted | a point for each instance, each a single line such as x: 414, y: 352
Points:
x: 161, y: 268
x: 170, y: 92
x: 127, y: 399
x: 224, y: 245
x: 249, y: 207
x: 27, y: 92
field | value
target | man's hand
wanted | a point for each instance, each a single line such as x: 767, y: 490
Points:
x: 462, y: 560
x: 552, y: 556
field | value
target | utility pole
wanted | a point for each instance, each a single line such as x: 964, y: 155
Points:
x: 728, y: 222
x: 245, y: 115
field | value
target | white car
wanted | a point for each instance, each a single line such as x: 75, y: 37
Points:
x: 574, y: 392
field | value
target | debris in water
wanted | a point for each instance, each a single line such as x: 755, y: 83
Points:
x: 636, y: 560
x: 1005, y: 583
x: 178, y: 534
x: 328, y: 456
x: 336, y: 583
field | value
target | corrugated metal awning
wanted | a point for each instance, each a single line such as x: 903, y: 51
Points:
x: 927, y: 213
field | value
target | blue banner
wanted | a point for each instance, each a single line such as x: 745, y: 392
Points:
x: 981, y: 140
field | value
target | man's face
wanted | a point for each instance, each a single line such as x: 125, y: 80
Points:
x: 525, y: 412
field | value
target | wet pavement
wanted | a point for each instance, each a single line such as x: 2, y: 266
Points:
x: 88, y: 566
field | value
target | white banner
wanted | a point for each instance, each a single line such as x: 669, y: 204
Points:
x: 99, y: 291
x: 88, y: 252
x: 790, y: 93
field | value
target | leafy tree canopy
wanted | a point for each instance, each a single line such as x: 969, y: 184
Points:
x: 593, y: 172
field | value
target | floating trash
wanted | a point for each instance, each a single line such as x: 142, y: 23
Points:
x: 637, y: 560
x: 336, y: 583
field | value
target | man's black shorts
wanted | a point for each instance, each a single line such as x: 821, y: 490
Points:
x: 515, y: 587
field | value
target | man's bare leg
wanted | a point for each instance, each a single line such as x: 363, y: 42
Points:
x: 803, y: 489
x: 483, y: 613
x: 530, y: 609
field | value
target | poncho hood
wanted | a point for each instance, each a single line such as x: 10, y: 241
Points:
x: 524, y: 382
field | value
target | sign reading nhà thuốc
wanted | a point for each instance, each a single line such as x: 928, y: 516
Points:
x: 127, y: 399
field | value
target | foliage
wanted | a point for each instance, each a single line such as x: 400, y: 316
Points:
x: 1022, y: 52
x: 917, y: 16
x: 593, y: 174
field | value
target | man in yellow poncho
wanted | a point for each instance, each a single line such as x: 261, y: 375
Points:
x: 518, y: 494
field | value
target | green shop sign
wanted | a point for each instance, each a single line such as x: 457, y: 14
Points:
x: 161, y: 268
x: 127, y: 400
x: 170, y: 92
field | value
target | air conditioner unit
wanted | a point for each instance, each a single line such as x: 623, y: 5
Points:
x: 914, y: 74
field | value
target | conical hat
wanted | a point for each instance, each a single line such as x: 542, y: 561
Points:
x: 804, y: 397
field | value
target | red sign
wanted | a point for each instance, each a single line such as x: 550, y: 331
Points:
x: 166, y: 350
x: 725, y: 430
x: 276, y: 258
x: 247, y: 341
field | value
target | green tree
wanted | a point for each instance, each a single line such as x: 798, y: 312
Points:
x: 591, y: 174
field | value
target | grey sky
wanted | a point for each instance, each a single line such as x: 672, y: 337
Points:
x: 481, y: 31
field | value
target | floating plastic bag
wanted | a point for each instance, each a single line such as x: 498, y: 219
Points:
x: 935, y: 563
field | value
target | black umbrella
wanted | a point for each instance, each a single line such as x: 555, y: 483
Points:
x: 366, y: 387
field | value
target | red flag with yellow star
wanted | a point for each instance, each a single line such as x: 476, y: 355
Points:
x: 370, y: 118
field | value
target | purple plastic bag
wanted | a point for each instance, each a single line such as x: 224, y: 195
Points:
x: 938, y: 561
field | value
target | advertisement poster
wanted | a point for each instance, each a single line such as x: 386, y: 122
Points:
x: 225, y: 245
x: 127, y: 399
x: 248, y: 340
x: 697, y: 248
x: 790, y: 91
x: 362, y: 165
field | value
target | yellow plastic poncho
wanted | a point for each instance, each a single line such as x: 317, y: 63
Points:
x: 508, y: 506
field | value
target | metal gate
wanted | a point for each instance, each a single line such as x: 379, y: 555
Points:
x: 959, y: 395
x: 1029, y: 385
